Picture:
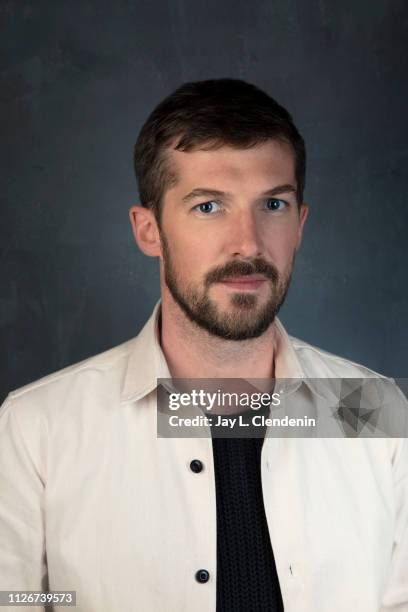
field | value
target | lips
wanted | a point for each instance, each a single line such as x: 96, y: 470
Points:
x: 244, y: 283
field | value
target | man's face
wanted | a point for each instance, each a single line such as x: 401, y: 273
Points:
x: 229, y: 231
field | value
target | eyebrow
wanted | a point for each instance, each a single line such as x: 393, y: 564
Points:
x: 210, y: 193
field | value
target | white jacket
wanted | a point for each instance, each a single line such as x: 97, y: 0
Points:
x: 92, y: 500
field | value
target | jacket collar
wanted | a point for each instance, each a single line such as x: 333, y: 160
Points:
x: 146, y: 362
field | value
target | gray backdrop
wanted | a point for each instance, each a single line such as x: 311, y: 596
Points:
x: 77, y: 81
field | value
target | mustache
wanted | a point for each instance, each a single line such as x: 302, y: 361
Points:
x: 235, y: 269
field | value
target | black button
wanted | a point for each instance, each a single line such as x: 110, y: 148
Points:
x: 196, y: 466
x: 202, y: 575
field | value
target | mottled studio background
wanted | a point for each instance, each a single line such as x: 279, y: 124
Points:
x: 77, y: 81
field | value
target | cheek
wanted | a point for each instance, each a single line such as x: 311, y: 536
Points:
x: 281, y: 246
x: 195, y: 265
x: 189, y: 259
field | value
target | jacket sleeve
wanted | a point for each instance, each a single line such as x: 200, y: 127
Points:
x: 22, y: 539
x: 395, y: 597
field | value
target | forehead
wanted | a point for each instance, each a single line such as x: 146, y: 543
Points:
x: 270, y: 161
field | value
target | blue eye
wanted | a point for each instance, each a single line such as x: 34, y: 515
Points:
x: 206, y: 207
x: 274, y: 204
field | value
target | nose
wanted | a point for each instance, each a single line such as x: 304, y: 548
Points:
x: 245, y: 239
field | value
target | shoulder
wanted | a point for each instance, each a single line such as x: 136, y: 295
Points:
x: 319, y: 363
x: 93, y: 375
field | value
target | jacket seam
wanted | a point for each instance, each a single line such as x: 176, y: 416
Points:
x: 338, y: 359
x: 55, y: 377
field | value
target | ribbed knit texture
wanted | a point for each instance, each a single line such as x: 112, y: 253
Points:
x: 247, y: 580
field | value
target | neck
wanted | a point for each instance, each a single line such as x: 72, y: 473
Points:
x: 192, y: 352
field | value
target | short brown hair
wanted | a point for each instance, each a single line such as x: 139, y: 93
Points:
x: 207, y: 115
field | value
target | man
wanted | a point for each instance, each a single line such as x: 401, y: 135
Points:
x: 93, y: 501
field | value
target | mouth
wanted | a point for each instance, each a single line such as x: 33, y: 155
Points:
x: 244, y: 283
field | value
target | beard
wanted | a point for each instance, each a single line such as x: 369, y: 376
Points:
x: 247, y: 318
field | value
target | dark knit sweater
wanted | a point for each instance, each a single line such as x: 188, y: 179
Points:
x: 247, y: 580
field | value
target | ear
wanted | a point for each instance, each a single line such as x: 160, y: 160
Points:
x: 145, y: 230
x: 303, y: 214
